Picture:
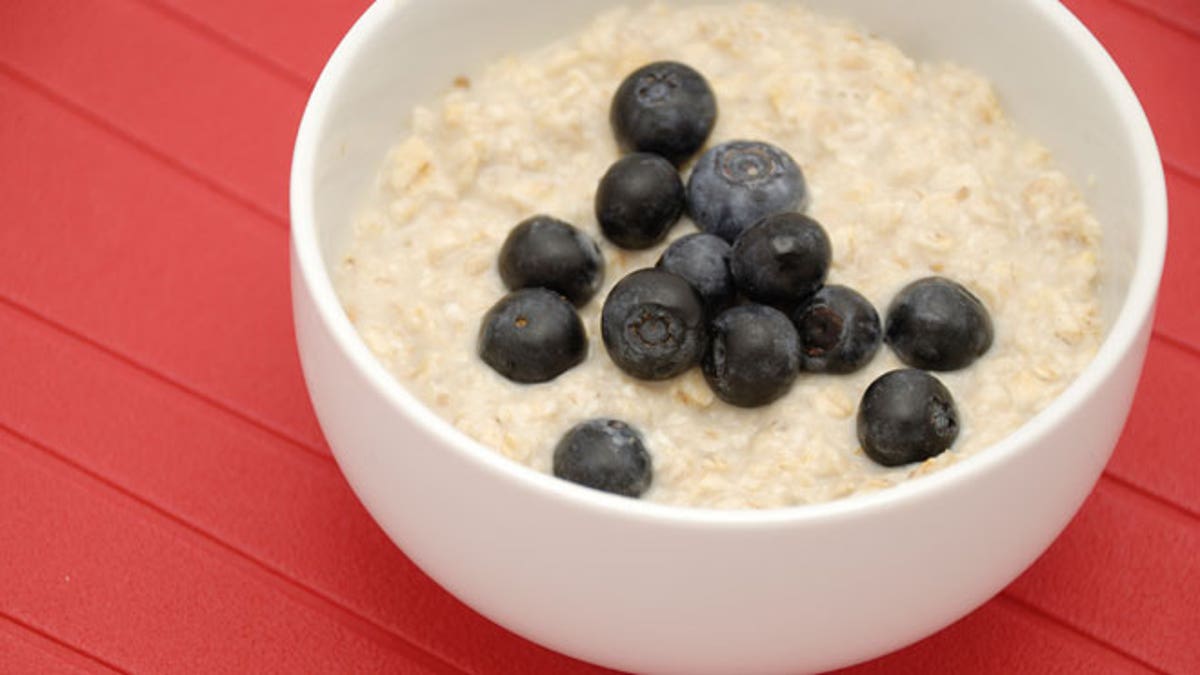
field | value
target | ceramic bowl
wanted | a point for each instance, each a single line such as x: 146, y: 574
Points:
x: 647, y: 587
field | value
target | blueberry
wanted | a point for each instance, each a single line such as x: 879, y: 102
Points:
x: 638, y: 200
x: 703, y: 261
x: 753, y: 355
x: 666, y: 108
x: 781, y: 260
x: 906, y: 416
x: 653, y: 325
x: 937, y: 324
x: 546, y: 252
x: 604, y: 454
x: 532, y: 335
x: 839, y: 331
x: 738, y: 183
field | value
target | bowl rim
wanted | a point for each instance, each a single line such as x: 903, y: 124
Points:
x: 1134, y: 313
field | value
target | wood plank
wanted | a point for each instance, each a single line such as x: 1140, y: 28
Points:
x: 1126, y: 571
x: 1001, y: 638
x: 25, y: 651
x: 1153, y: 454
x: 1181, y: 15
x: 298, y: 42
x: 92, y: 569
x: 148, y: 263
x: 193, y: 100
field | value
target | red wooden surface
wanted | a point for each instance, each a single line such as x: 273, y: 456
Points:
x: 167, y: 501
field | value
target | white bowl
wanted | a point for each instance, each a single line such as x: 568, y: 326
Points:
x: 654, y: 588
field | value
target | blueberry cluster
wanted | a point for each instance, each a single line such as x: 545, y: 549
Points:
x: 745, y: 298
x: 534, y: 334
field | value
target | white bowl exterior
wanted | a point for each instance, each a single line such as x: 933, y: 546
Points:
x: 650, y: 588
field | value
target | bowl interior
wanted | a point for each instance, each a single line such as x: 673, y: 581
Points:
x: 403, y: 52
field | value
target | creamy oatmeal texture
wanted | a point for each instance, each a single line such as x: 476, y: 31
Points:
x: 913, y: 169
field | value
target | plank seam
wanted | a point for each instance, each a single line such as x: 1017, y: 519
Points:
x: 1182, y: 171
x: 61, y: 643
x: 1155, y: 501
x: 244, y: 416
x: 1180, y: 344
x: 1036, y: 611
x: 231, y: 44
x: 178, y: 166
x: 268, y: 575
x: 1161, y: 19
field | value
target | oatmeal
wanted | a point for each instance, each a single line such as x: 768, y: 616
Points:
x: 912, y: 169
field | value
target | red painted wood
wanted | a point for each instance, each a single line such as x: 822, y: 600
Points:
x: 177, y: 92
x: 1157, y: 452
x: 1002, y: 638
x: 98, y: 572
x: 17, y: 657
x: 1127, y: 571
x: 115, y: 245
x: 1183, y: 15
x: 25, y: 651
x: 298, y: 42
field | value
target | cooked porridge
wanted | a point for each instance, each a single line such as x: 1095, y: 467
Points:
x: 913, y: 170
